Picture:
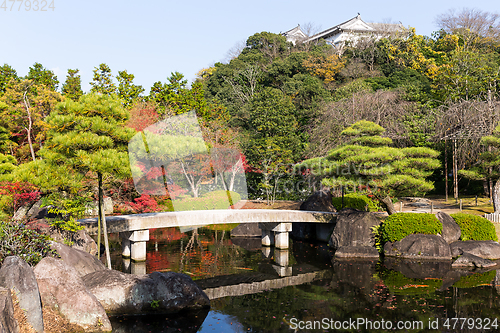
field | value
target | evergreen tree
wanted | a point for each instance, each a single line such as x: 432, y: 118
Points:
x: 103, y: 80
x: 42, y: 76
x: 127, y: 90
x: 90, y: 136
x: 368, y: 161
x: 72, y: 87
x: 7, y: 73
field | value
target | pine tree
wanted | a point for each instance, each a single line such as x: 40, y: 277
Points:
x: 42, y: 76
x: 90, y: 136
x: 103, y: 80
x: 72, y: 87
x: 127, y: 90
x: 368, y: 161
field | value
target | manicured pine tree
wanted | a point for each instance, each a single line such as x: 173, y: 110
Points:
x: 367, y: 160
x: 90, y: 136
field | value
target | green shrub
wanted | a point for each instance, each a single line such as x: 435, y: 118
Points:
x: 17, y: 240
x: 398, y: 226
x: 356, y: 201
x: 475, y: 227
x: 208, y: 201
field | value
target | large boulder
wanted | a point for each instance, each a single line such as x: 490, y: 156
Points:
x: 83, y: 262
x: 62, y: 289
x: 470, y: 260
x: 8, y: 323
x: 320, y: 201
x: 353, y: 228
x: 483, y: 249
x: 451, y: 230
x: 419, y: 246
x: 17, y: 275
x: 155, y: 293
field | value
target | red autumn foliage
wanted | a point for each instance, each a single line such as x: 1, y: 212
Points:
x: 142, y: 115
x: 144, y: 204
x: 22, y: 193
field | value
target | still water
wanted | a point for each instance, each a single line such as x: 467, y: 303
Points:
x: 305, y: 289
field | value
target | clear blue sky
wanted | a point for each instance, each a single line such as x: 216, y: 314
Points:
x: 151, y: 39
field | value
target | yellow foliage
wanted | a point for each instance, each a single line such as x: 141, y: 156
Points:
x: 324, y: 67
x: 204, y: 73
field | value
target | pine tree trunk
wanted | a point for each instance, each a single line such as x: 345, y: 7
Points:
x: 389, y: 206
x: 102, y: 218
x: 496, y: 196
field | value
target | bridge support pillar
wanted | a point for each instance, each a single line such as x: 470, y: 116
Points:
x: 267, y: 238
x: 134, y: 244
x: 275, y: 234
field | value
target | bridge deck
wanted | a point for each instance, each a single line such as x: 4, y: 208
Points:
x: 135, y: 222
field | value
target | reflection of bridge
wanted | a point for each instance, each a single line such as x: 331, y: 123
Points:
x: 275, y: 225
x: 237, y: 285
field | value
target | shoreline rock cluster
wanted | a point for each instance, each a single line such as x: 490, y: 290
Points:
x: 80, y: 289
x: 352, y: 237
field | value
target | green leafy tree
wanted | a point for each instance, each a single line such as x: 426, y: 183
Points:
x: 273, y: 143
x: 42, y: 76
x: 103, y: 80
x: 467, y: 75
x: 268, y: 44
x: 127, y: 90
x: 72, y: 87
x: 90, y: 136
x: 7, y: 73
x: 367, y: 160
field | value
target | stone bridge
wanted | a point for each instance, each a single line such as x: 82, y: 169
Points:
x: 134, y: 229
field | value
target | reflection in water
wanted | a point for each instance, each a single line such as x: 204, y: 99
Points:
x: 188, y: 322
x: 261, y: 289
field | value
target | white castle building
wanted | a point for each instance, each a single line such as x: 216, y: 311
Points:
x: 350, y: 30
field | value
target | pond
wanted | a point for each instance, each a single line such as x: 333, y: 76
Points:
x: 305, y: 289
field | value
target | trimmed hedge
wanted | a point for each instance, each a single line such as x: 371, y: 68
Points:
x: 208, y: 201
x: 398, y: 226
x: 475, y: 227
x: 356, y: 201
